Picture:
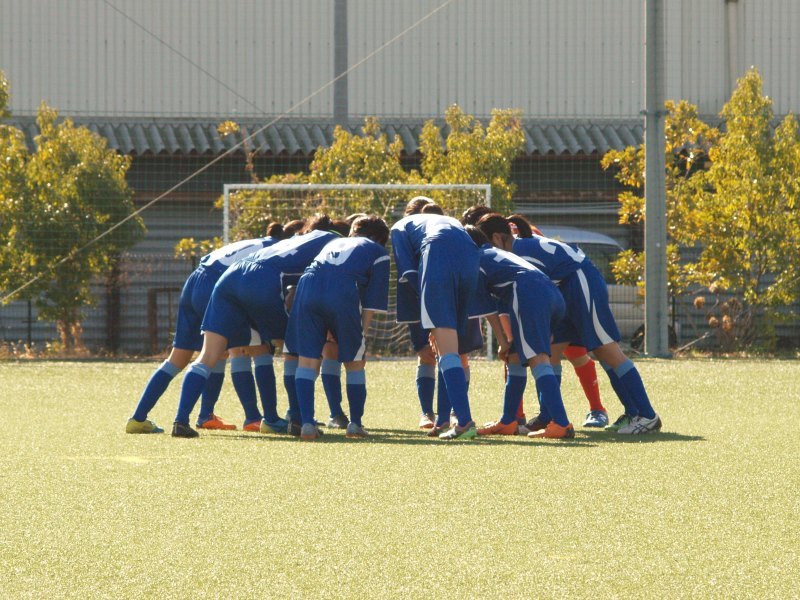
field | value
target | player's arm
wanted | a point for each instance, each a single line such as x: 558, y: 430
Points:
x: 376, y: 292
x: 405, y: 259
x: 502, y: 341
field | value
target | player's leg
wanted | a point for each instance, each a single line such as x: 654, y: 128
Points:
x: 214, y: 347
x: 646, y: 419
x: 331, y: 375
x: 264, y: 371
x: 155, y: 388
x: 305, y: 379
x: 584, y: 368
x: 549, y: 391
x: 356, y: 397
x: 206, y: 419
x: 516, y: 381
x: 446, y: 340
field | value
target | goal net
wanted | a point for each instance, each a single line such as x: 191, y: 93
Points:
x: 249, y: 208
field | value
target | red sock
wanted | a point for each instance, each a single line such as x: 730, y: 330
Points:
x: 588, y: 377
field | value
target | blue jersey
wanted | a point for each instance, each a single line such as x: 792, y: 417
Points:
x: 220, y: 259
x: 555, y: 259
x: 290, y: 257
x: 499, y: 270
x: 412, y: 234
x: 359, y: 262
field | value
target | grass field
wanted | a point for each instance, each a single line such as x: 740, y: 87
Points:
x: 707, y: 508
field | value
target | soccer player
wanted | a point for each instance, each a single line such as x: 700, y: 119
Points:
x: 249, y: 294
x: 437, y: 266
x: 534, y: 305
x: 577, y: 355
x: 188, y: 340
x: 345, y: 285
x: 588, y: 318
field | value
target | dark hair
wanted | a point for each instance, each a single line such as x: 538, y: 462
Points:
x: 319, y: 222
x: 275, y: 230
x: 293, y: 227
x: 372, y: 227
x: 416, y: 204
x: 493, y: 223
x: 351, y: 218
x: 432, y: 209
x: 524, y: 229
x: 473, y: 214
x: 341, y: 227
x: 477, y: 235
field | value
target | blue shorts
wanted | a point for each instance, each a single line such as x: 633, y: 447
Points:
x: 192, y: 306
x: 247, y: 296
x: 448, y: 277
x: 588, y: 320
x: 536, y: 308
x: 320, y: 308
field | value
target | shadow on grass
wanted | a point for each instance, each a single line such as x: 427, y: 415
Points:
x: 583, y: 439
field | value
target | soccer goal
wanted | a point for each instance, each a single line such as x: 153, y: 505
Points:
x: 249, y: 207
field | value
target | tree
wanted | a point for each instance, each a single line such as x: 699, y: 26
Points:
x: 58, y: 206
x: 472, y: 154
x: 732, y: 222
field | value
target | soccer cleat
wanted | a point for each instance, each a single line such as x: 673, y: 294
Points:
x: 499, y: 428
x: 622, y: 421
x: 536, y: 424
x: 640, y: 425
x: 468, y: 432
x: 554, y: 431
x: 252, y: 426
x: 340, y: 421
x: 279, y: 426
x: 437, y: 430
x: 294, y: 428
x: 309, y: 432
x: 356, y: 431
x: 523, y: 429
x: 182, y: 430
x: 427, y: 420
x: 215, y: 423
x: 146, y: 426
x: 596, y: 418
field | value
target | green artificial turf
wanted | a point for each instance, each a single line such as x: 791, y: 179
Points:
x: 707, y: 508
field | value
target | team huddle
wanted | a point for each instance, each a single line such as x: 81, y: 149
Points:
x: 312, y: 288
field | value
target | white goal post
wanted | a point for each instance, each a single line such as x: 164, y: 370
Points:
x: 474, y: 193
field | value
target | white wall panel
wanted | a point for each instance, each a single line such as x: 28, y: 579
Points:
x: 550, y: 58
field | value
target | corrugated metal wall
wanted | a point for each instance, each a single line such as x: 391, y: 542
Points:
x: 551, y: 58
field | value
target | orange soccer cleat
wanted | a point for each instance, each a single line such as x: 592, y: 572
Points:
x: 214, y: 422
x: 554, y: 431
x: 498, y: 428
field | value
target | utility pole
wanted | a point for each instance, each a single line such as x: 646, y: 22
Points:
x: 656, y: 341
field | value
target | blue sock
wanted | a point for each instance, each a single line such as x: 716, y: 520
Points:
x: 193, y: 383
x: 622, y: 392
x: 550, y: 393
x: 456, y: 383
x: 304, y: 380
x: 289, y: 369
x: 245, y: 387
x: 516, y: 382
x: 356, y: 394
x: 212, y: 390
x: 629, y: 377
x: 331, y: 372
x: 426, y: 383
x: 443, y: 406
x: 267, y: 388
x: 159, y: 381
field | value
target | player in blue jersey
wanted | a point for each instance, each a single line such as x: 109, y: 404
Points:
x: 249, y: 295
x: 340, y: 291
x: 188, y: 339
x: 437, y: 266
x: 427, y: 370
x: 534, y: 306
x: 588, y: 320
